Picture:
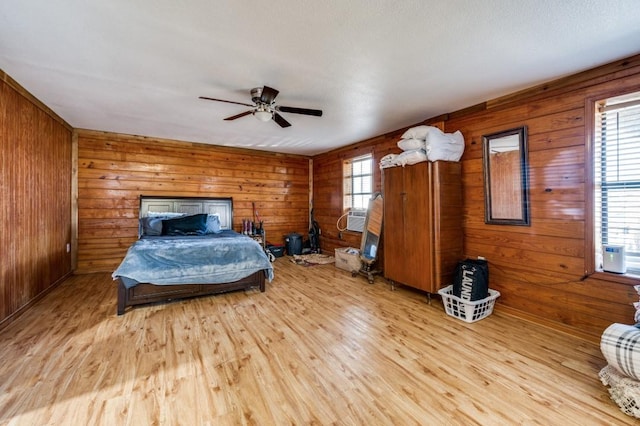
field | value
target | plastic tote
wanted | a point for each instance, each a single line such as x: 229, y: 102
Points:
x: 468, y: 311
x: 293, y: 243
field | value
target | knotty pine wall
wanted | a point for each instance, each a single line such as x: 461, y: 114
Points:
x: 35, y: 200
x: 545, y: 270
x: 328, y: 185
x: 540, y: 270
x: 115, y: 169
x: 328, y: 189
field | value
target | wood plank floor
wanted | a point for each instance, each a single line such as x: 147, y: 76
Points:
x: 319, y: 347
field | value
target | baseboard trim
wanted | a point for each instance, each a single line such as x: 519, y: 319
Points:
x: 15, y: 315
x: 562, y: 328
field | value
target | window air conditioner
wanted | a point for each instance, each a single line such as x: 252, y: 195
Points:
x: 355, y: 220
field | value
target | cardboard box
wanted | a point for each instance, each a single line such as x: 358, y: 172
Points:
x: 348, y: 259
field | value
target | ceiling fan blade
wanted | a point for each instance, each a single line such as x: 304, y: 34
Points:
x: 305, y: 111
x: 222, y: 100
x: 280, y: 120
x: 242, y: 114
x: 268, y: 95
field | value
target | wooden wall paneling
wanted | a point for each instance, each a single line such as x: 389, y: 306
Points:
x: 563, y: 307
x: 74, y: 200
x: 562, y: 123
x: 327, y: 187
x: 35, y: 204
x: 623, y: 72
x: 115, y: 169
x: 553, y: 244
x: 328, y: 202
x: 448, y: 235
x: 540, y: 269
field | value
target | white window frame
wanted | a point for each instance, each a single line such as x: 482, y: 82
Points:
x: 604, y: 231
x: 351, y: 178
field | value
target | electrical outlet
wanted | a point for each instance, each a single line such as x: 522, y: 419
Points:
x: 68, y: 248
x: 481, y: 258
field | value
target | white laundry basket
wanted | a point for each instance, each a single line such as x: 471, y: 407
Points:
x: 466, y: 310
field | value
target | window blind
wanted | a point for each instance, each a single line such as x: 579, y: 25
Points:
x: 617, y: 178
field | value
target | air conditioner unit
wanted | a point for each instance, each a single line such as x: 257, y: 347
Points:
x: 355, y: 220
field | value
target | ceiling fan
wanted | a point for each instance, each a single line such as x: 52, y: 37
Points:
x: 264, y: 107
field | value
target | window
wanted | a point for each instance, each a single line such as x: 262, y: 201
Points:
x: 358, y: 182
x: 617, y: 178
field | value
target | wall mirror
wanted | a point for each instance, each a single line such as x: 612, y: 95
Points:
x: 506, y: 177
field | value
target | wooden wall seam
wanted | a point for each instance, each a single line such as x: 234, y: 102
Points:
x: 74, y: 200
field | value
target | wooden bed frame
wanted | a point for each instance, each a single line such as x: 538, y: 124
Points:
x: 145, y: 293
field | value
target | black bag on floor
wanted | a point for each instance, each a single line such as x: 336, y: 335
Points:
x: 471, y: 280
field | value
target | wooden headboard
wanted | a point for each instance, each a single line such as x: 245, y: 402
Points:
x: 223, y: 207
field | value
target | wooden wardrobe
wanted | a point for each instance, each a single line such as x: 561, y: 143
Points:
x: 423, y: 224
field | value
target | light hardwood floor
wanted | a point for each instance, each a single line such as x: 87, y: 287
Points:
x: 319, y: 347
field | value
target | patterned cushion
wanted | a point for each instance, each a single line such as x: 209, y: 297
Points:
x: 620, y: 345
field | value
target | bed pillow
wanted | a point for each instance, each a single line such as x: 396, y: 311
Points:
x: 213, y: 224
x: 188, y: 225
x: 444, y: 146
x: 411, y: 144
x: 165, y: 215
x: 411, y: 157
x: 152, y: 225
x: 418, y: 132
x: 388, y: 160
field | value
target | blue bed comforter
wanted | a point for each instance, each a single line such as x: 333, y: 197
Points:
x: 206, y: 259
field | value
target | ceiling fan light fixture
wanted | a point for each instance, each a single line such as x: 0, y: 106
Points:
x: 263, y: 115
x: 264, y: 107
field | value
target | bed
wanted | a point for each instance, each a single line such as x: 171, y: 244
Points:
x: 187, y: 248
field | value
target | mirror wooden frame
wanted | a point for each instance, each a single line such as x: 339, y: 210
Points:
x: 372, y: 232
x: 506, y: 177
x: 371, y: 235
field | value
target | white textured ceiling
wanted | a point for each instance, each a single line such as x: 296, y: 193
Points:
x: 372, y: 66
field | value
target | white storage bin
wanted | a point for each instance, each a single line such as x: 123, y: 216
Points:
x: 466, y: 310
